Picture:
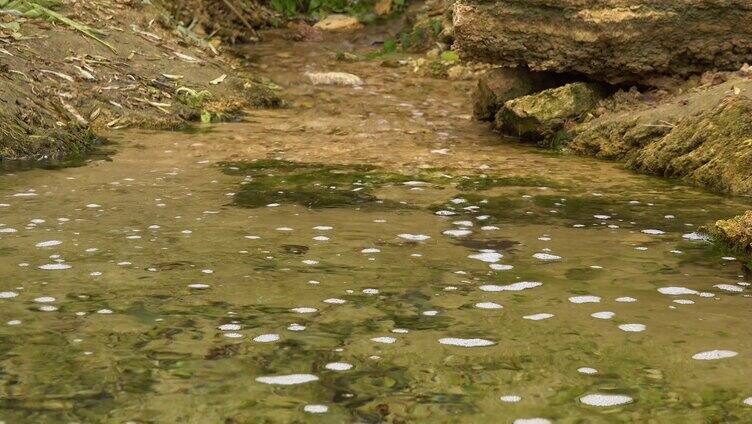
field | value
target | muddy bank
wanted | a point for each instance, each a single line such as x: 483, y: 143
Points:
x: 117, y: 65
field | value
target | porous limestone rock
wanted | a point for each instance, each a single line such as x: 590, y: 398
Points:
x: 607, y: 40
x: 499, y: 85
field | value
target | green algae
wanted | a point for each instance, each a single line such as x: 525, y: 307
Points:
x: 310, y: 185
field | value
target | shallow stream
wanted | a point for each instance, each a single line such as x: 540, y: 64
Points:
x: 364, y: 256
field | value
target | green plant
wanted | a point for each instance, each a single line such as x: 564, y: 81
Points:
x: 195, y: 100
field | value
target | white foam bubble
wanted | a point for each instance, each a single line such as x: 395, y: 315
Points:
x: 522, y: 285
x: 546, y: 257
x: 49, y: 243
x: 385, y: 340
x: 296, y: 327
x: 198, y: 286
x: 338, y: 366
x: 414, y: 237
x: 266, y: 338
x: 585, y: 299
x: 747, y: 401
x: 696, y: 237
x: 625, y: 299
x: 54, y: 267
x: 457, y: 233
x: 335, y: 301
x: 287, y: 380
x: 600, y: 399
x: 490, y: 257
x: 453, y: 341
x: 370, y: 250
x: 304, y: 310
x: 510, y: 398
x: 729, y: 288
x: 633, y: 328
x: 653, y: 232
x: 712, y: 355
x: 676, y: 291
x: 538, y: 317
x: 316, y: 409
x: 500, y: 267
x: 488, y: 305
x: 531, y: 421
x: 603, y: 315
x: 44, y: 299
x: 229, y: 327
x: 8, y: 295
x: 233, y: 335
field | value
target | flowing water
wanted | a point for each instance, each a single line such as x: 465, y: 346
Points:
x: 366, y: 255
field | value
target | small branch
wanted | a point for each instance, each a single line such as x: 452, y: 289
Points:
x: 242, y: 18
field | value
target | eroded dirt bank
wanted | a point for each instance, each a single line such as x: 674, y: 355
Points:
x: 116, y: 65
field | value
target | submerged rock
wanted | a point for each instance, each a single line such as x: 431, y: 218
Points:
x: 338, y: 23
x: 542, y: 116
x: 500, y: 85
x: 607, y: 40
x: 333, y: 78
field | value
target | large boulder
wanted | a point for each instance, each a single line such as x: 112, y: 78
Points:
x: 499, y: 85
x: 542, y: 117
x: 607, y: 40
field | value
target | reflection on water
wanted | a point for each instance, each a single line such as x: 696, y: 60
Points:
x: 175, y: 290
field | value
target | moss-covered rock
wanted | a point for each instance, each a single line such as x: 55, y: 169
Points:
x: 735, y: 232
x: 500, y: 85
x: 704, y: 138
x: 542, y: 117
x: 713, y: 150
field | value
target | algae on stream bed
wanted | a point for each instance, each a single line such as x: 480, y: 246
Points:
x: 157, y: 288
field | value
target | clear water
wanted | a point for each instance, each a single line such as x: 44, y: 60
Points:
x: 169, y: 302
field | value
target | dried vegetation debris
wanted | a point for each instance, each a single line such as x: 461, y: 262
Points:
x: 63, y: 78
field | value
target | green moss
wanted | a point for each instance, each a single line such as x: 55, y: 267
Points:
x: 310, y: 185
x: 542, y: 117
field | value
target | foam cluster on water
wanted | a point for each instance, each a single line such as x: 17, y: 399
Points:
x: 287, y: 380
x: 603, y: 400
x: 453, y: 341
x: 712, y: 355
x: 519, y: 286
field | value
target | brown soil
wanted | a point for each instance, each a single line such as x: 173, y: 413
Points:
x: 58, y: 87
